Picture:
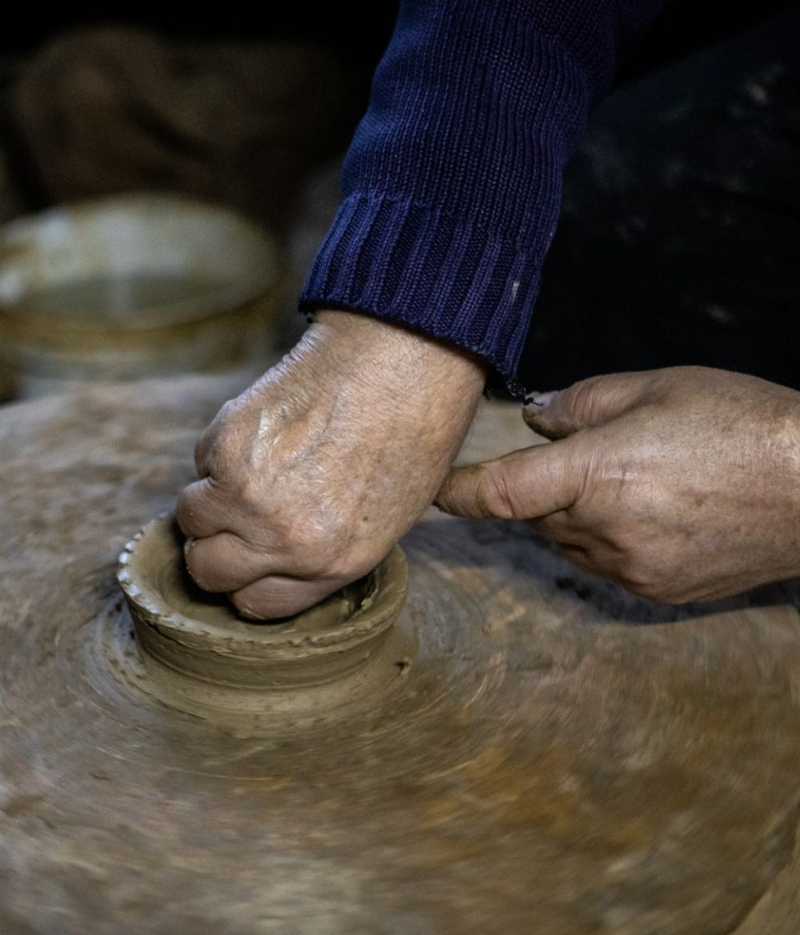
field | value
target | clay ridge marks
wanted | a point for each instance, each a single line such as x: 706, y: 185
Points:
x: 389, y: 578
x: 206, y: 640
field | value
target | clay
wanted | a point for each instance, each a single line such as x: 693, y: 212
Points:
x: 538, y: 752
x: 199, y: 636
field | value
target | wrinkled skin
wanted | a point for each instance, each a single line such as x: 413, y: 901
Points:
x: 680, y: 484
x: 309, y: 477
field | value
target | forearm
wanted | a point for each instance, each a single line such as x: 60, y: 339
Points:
x: 452, y: 183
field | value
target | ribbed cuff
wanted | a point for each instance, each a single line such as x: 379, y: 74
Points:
x: 419, y: 266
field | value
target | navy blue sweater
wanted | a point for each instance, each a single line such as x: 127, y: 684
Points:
x: 452, y: 184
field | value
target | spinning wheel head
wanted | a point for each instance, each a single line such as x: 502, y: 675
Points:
x: 523, y: 748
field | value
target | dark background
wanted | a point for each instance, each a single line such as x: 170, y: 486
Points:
x: 362, y: 31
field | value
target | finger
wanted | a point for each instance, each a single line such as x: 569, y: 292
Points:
x: 525, y: 484
x: 586, y: 404
x: 224, y: 563
x: 280, y: 596
x: 200, y: 511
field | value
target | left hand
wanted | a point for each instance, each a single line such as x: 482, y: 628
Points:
x: 680, y: 484
x: 309, y: 477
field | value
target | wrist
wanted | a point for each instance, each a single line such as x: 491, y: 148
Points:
x: 398, y: 353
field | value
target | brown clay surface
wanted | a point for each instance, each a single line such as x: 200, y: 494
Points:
x: 197, y: 643
x: 544, y: 755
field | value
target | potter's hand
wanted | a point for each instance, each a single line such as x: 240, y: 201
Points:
x: 310, y: 476
x: 680, y: 484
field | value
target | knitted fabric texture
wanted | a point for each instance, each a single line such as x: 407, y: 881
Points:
x: 452, y: 184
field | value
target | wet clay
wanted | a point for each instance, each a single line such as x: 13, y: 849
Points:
x: 198, y: 636
x: 532, y: 749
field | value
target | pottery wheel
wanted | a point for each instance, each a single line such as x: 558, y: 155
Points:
x: 542, y: 753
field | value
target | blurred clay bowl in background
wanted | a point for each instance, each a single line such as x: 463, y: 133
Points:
x: 134, y: 286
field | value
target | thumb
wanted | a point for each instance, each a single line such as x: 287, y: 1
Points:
x: 585, y: 404
x: 524, y: 484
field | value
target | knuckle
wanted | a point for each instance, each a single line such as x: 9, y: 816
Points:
x: 221, y: 442
x: 249, y: 495
x: 218, y: 448
x: 202, y: 449
x: 225, y: 416
x: 494, y: 495
x: 307, y: 550
x: 585, y: 399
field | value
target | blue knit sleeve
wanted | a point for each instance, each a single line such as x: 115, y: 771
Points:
x: 452, y: 184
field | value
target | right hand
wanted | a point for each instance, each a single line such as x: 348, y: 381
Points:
x: 309, y: 478
x: 681, y: 484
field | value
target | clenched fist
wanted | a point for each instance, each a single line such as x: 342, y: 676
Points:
x: 681, y: 484
x: 309, y: 478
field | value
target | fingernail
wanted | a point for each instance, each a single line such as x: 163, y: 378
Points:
x: 540, y: 400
